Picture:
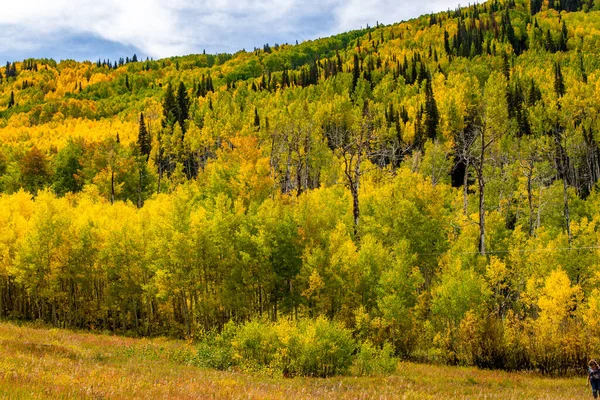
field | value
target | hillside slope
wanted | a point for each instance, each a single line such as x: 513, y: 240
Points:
x: 429, y: 184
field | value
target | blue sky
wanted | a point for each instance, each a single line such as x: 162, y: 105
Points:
x: 92, y: 29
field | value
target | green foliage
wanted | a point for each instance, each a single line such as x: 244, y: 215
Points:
x: 428, y: 187
x: 68, y: 170
x: 371, y: 360
x: 309, y: 348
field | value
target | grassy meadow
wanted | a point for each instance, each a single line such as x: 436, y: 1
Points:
x: 59, y: 364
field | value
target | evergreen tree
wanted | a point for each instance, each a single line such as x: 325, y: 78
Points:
x: 559, y: 84
x: 505, y: 66
x: 256, y: 118
x: 169, y: 108
x: 183, y: 105
x: 285, y: 79
x: 534, y: 94
x: 355, y: 72
x: 144, y: 142
x: 209, y: 84
x: 582, y: 69
x: 550, y: 43
x: 564, y: 36
x: 11, y: 100
x: 431, y: 111
x: 535, y: 6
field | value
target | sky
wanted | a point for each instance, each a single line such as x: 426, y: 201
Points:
x: 109, y: 29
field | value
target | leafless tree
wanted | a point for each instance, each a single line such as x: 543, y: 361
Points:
x: 356, y: 145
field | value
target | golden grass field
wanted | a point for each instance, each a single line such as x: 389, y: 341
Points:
x: 39, y: 363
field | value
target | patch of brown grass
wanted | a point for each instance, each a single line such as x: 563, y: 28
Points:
x: 38, y: 363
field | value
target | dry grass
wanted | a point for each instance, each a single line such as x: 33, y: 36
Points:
x: 58, y: 364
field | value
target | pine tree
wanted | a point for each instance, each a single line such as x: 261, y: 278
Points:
x: 559, y: 84
x: 11, y: 101
x: 209, y: 84
x: 144, y: 142
x: 550, y: 43
x: 355, y: 72
x: 505, y: 66
x: 534, y: 95
x: 510, y: 33
x: 564, y: 36
x: 447, y: 42
x: 535, y: 6
x: 582, y: 69
x: 169, y: 108
x: 183, y: 105
x: 256, y: 118
x: 431, y: 111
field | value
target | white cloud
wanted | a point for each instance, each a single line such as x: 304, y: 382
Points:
x: 172, y: 27
x: 150, y: 25
x: 352, y: 14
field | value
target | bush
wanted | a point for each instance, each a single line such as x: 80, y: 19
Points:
x: 255, y: 344
x: 371, y: 360
x: 214, y: 350
x: 309, y: 348
x: 326, y: 349
x: 214, y: 356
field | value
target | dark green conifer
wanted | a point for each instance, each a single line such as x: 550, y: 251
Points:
x: 169, y: 107
x: 183, y: 105
x: 559, y: 84
x: 431, y: 111
x: 256, y: 118
x: 355, y: 72
x: 144, y: 143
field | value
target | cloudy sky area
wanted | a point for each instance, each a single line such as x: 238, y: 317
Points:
x: 92, y: 29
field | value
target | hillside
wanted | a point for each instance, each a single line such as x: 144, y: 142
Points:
x: 49, y: 364
x: 430, y: 184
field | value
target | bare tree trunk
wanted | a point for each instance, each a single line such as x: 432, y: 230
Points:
x: 307, y: 149
x: 112, y: 185
x: 481, y: 214
x: 563, y: 167
x: 481, y: 182
x: 355, y: 208
x: 530, y: 201
x: 299, y: 178
x: 287, y: 180
x: 159, y: 176
x: 140, y: 188
x: 466, y: 188
x: 186, y: 314
x: 567, y: 213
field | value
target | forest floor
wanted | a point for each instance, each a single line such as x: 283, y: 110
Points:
x: 40, y: 363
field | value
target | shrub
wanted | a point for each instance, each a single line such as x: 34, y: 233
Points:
x: 215, y: 351
x: 310, y: 348
x: 326, y: 348
x: 214, y: 356
x: 371, y: 360
x: 255, y: 344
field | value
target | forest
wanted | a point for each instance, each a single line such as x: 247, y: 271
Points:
x: 427, y: 188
